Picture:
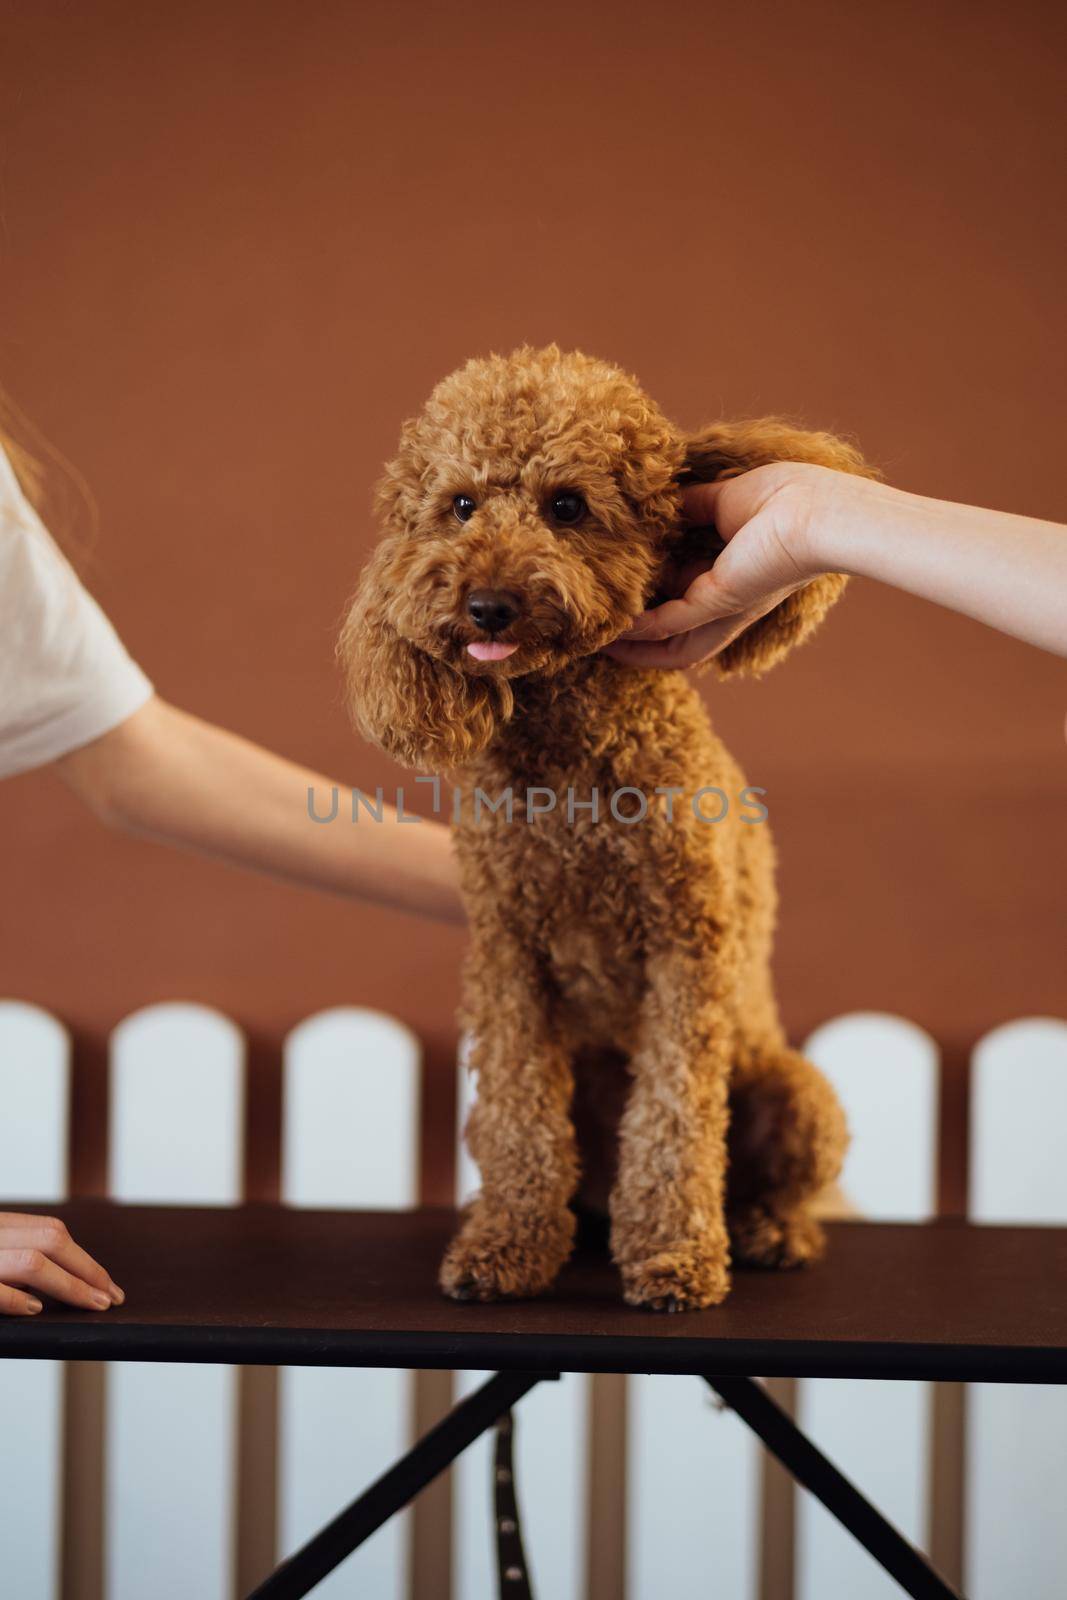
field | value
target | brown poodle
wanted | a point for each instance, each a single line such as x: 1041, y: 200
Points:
x: 618, y: 988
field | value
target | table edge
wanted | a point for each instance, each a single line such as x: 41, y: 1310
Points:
x: 240, y: 1346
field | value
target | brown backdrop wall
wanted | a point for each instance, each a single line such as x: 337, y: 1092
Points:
x: 240, y: 242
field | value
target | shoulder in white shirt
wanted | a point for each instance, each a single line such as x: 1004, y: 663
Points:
x: 65, y: 676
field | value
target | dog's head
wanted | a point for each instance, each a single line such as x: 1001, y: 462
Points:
x: 527, y: 518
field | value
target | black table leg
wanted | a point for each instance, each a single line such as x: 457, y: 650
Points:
x: 393, y: 1490
x: 840, y: 1497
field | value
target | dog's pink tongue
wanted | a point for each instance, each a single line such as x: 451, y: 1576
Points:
x: 484, y: 650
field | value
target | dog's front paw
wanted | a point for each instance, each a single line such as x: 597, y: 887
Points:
x: 688, y: 1277
x: 498, y: 1257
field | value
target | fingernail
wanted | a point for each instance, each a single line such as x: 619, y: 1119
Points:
x: 34, y: 1305
x: 101, y: 1301
x: 118, y: 1295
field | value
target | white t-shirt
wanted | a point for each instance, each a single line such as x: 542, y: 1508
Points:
x: 65, y: 677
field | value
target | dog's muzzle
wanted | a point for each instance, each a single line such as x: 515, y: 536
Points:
x: 492, y: 611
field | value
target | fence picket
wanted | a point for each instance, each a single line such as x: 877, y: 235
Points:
x: 177, y: 1098
x: 551, y: 1460
x: 349, y: 1139
x: 1017, y: 1436
x: 693, y: 1494
x: 35, y: 1093
x: 885, y: 1071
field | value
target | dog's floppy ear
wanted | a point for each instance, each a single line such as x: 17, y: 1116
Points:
x: 724, y: 449
x: 417, y: 709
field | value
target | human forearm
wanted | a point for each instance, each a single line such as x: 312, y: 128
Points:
x: 1002, y: 569
x: 166, y: 775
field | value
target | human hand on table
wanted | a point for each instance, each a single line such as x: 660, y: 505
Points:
x: 37, y: 1253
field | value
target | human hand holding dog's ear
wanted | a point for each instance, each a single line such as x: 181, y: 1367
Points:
x: 788, y: 524
x: 767, y: 520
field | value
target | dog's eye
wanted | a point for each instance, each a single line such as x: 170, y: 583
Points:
x: 567, y: 506
x: 464, y: 507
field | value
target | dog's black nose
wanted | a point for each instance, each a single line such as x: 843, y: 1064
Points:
x: 492, y: 609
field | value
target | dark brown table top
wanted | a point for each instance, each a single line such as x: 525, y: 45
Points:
x: 264, y: 1284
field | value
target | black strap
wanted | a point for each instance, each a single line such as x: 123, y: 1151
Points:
x: 514, y: 1574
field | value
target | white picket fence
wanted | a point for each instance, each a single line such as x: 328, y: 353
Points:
x: 350, y: 1136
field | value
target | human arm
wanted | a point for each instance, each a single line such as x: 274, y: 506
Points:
x: 165, y: 775
x: 784, y: 524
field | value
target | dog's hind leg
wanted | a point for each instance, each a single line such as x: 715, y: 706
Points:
x: 787, y: 1142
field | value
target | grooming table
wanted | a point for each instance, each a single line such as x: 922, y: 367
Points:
x: 259, y: 1285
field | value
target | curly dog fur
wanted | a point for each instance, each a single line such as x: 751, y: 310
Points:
x: 618, y: 988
